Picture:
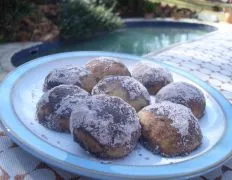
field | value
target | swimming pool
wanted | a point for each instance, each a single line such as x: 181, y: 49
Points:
x: 136, y: 38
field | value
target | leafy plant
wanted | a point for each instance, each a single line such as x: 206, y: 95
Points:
x: 46, y: 1
x: 80, y: 20
x: 131, y: 8
x: 110, y: 4
x: 149, y: 7
x: 12, y: 12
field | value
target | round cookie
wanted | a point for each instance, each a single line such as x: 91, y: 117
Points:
x: 152, y: 76
x: 185, y: 94
x: 169, y: 129
x: 105, y: 66
x: 106, y: 126
x: 78, y: 76
x: 55, y: 106
x: 125, y: 87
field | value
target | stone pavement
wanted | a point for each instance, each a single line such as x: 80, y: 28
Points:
x: 7, y: 51
x: 209, y: 58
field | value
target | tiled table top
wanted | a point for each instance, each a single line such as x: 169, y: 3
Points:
x: 209, y: 58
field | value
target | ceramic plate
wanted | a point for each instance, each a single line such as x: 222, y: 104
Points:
x: 22, y: 88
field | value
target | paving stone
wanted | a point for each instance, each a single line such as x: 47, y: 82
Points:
x: 203, y: 77
x: 227, y: 175
x: 205, y: 71
x: 220, y: 77
x: 213, y: 174
x: 191, y: 65
x: 211, y: 67
x: 215, y: 82
x: 227, y: 87
x: 226, y: 72
x: 2, y: 76
x: 171, y: 63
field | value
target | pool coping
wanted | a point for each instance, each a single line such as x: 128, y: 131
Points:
x: 13, y: 48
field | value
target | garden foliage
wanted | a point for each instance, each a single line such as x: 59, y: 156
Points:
x: 81, y: 20
x: 11, y: 13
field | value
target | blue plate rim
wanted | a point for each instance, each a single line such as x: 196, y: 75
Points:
x: 190, y: 168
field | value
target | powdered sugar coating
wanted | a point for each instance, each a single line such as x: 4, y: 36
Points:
x: 104, y: 59
x: 110, y: 120
x: 69, y: 103
x: 179, y: 115
x: 70, y: 75
x: 171, y: 129
x: 105, y: 66
x: 131, y: 86
x: 151, y: 75
x: 134, y: 88
x: 54, y: 107
x: 185, y: 94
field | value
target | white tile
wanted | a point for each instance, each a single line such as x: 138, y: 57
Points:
x: 211, y: 67
x: 226, y: 72
x: 200, y: 75
x: 229, y: 164
x: 227, y: 94
x: 215, y: 82
x: 220, y: 77
x: 205, y: 71
x: 227, y: 175
x: 213, y: 174
x: 17, y: 161
x: 227, y: 87
x: 191, y: 65
x: 43, y: 174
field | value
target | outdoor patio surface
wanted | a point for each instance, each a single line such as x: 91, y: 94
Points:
x: 209, y: 58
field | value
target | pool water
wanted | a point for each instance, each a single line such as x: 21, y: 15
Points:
x: 136, y: 40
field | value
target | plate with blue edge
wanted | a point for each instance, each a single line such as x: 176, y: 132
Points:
x: 21, y: 90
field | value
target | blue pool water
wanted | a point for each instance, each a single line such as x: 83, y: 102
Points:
x: 131, y: 40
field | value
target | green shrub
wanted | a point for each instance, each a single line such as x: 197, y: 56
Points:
x: 79, y: 20
x: 14, y: 10
x: 11, y: 13
x: 45, y: 1
x: 130, y: 8
x: 149, y: 6
x: 110, y: 4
